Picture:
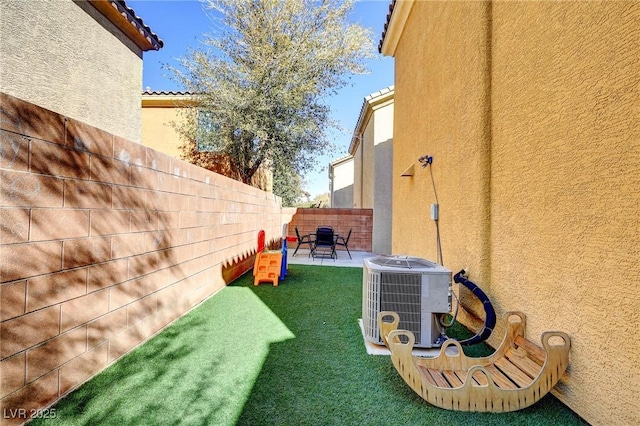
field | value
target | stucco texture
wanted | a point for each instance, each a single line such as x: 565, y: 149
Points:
x: 441, y: 109
x: 373, y: 157
x: 531, y: 113
x: 341, y: 174
x: 383, y: 178
x: 56, y: 55
x: 158, y: 132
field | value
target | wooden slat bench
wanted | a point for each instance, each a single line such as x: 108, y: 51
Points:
x: 518, y: 374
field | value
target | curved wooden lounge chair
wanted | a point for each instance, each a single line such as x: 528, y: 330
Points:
x: 516, y: 376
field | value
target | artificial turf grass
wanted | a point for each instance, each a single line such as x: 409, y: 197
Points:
x: 338, y: 383
x: 286, y: 355
x: 197, y: 371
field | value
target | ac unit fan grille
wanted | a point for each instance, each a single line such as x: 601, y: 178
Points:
x: 403, y: 262
x: 401, y: 293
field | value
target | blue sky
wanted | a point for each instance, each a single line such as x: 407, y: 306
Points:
x: 183, y: 23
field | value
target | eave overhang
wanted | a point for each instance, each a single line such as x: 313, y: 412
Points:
x: 399, y: 11
x: 123, y: 17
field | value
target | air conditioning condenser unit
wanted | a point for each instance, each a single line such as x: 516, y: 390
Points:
x: 417, y: 289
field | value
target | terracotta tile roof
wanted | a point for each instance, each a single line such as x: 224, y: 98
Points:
x: 139, y: 20
x: 125, y: 18
x: 150, y: 92
x: 386, y: 25
x: 167, y: 99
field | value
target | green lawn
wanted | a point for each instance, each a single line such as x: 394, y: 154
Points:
x: 287, y: 355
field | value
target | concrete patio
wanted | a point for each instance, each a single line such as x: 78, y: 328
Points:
x: 303, y: 257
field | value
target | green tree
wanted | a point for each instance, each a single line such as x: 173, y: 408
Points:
x: 321, y: 200
x: 288, y: 185
x: 263, y: 81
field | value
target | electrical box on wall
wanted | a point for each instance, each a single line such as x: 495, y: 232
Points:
x: 435, y: 211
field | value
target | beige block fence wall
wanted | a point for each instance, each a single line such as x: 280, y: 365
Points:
x: 360, y: 221
x: 104, y: 243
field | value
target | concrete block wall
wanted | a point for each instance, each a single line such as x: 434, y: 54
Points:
x: 359, y: 220
x: 104, y: 242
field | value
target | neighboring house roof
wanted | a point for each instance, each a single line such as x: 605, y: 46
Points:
x: 129, y: 23
x: 341, y: 160
x: 150, y: 92
x: 173, y: 99
x: 396, y: 18
x: 370, y: 101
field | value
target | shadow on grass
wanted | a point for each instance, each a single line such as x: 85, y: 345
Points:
x: 198, y: 371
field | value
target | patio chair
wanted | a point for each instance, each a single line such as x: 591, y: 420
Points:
x: 303, y: 240
x: 344, y: 242
x: 325, y: 242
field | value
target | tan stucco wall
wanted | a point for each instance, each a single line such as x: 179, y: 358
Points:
x: 441, y: 109
x: 382, y: 123
x: 54, y: 54
x: 530, y: 111
x: 341, y: 180
x: 367, y: 170
x: 357, y: 177
x: 372, y: 149
x: 566, y: 189
x: 161, y: 111
x: 158, y: 132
